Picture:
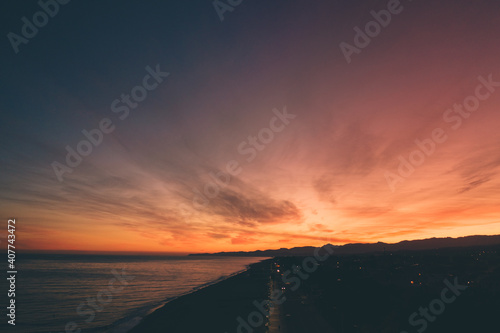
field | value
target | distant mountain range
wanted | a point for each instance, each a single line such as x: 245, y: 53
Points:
x: 422, y: 244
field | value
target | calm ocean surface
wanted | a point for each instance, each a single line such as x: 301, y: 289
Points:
x: 50, y: 288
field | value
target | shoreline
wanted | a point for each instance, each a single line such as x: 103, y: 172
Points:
x: 210, y: 304
x: 129, y: 323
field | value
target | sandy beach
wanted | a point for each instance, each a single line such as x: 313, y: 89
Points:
x: 215, y: 308
x: 353, y: 293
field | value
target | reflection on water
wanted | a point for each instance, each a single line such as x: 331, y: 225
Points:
x: 52, y: 287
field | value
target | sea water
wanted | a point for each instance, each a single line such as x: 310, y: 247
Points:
x: 98, y: 293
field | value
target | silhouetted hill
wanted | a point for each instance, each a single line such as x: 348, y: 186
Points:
x: 422, y: 244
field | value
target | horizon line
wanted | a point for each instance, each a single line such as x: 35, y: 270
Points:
x: 183, y: 253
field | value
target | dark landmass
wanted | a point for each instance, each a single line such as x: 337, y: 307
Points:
x: 380, y: 293
x: 424, y: 244
x: 352, y: 293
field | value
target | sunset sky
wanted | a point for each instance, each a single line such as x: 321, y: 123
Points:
x: 323, y: 176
